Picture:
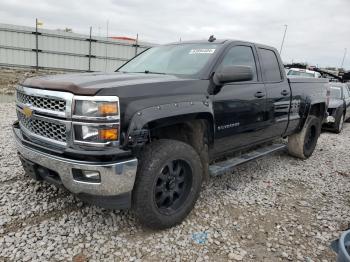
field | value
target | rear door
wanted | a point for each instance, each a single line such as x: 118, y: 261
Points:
x: 239, y: 107
x: 278, y: 93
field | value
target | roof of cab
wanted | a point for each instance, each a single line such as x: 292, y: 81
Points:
x: 221, y: 41
x: 217, y: 41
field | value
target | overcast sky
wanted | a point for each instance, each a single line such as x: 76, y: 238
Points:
x: 318, y: 31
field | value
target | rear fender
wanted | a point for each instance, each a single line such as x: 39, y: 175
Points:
x: 317, y: 109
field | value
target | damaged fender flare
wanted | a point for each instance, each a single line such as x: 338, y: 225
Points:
x: 194, y: 110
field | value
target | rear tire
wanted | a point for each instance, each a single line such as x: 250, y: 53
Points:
x: 347, y: 120
x: 339, y: 123
x: 303, y: 144
x: 168, y: 183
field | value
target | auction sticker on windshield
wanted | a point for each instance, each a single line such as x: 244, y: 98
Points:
x: 202, y: 51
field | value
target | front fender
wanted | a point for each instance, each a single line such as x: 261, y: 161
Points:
x: 168, y: 114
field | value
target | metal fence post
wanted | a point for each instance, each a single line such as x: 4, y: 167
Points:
x: 90, y: 49
x: 58, y: 57
x: 36, y: 44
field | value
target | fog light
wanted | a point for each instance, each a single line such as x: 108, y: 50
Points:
x: 330, y: 119
x: 90, y: 176
x: 94, y: 175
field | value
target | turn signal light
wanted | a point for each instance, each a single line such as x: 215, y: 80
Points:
x: 107, y: 109
x: 108, y: 134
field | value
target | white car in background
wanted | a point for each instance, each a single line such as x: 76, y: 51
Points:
x: 297, y: 72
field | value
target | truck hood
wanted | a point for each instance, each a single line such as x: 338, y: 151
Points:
x: 92, y: 83
x: 135, y: 90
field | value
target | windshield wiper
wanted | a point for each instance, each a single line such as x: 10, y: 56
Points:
x: 144, y: 72
x: 149, y: 72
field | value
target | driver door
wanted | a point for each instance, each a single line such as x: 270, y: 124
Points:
x: 240, y: 107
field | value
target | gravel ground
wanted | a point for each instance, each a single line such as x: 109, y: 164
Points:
x: 10, y: 77
x: 275, y: 209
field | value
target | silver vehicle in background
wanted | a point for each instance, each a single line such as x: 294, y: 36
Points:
x: 338, y: 108
x: 298, y: 72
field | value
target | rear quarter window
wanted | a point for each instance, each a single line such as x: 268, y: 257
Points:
x: 270, y: 66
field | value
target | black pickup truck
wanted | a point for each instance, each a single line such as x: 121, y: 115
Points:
x: 146, y: 136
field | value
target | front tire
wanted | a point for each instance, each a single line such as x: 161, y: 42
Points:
x: 168, y: 183
x: 303, y: 144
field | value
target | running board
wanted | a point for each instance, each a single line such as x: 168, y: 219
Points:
x: 227, y: 166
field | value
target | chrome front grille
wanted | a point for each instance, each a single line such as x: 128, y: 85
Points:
x: 46, y: 116
x: 54, y: 131
x: 52, y: 104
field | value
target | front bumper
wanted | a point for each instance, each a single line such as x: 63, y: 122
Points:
x: 117, y: 178
x: 333, y: 114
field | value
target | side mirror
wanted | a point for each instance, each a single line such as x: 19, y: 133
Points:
x: 229, y: 74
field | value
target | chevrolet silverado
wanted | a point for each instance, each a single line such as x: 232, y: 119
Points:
x: 146, y: 136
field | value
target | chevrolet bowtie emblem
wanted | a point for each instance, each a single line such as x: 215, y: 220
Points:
x: 27, y: 111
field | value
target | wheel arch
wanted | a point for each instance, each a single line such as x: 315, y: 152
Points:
x: 316, y: 109
x: 163, y: 116
x: 189, y: 122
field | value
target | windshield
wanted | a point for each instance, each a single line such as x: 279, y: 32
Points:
x: 335, y: 92
x: 185, y: 59
x: 300, y: 73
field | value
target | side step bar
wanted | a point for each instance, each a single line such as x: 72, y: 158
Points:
x: 227, y: 166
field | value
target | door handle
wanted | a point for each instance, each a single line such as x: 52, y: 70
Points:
x: 284, y: 93
x: 259, y: 94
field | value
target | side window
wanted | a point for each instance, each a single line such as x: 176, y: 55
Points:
x: 240, y: 55
x: 346, y: 92
x: 270, y: 67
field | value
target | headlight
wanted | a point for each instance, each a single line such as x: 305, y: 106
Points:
x: 96, y: 133
x: 96, y: 120
x: 96, y: 109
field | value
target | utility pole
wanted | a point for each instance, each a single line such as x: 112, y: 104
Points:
x: 342, y: 62
x: 107, y: 28
x: 136, y: 43
x: 284, y: 36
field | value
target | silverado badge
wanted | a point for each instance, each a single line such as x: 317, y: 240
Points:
x: 27, y: 111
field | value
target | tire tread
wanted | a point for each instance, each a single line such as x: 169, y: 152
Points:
x: 149, y: 161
